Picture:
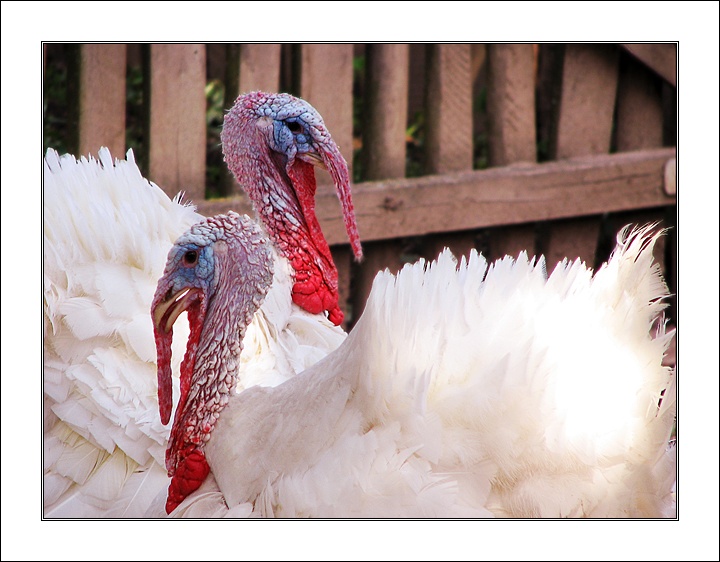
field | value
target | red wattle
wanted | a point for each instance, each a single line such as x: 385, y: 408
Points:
x: 190, y: 473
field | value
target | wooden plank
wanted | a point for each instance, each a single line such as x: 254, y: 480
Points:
x: 260, y: 67
x: 512, y: 132
x: 249, y: 67
x: 343, y: 258
x: 585, y: 124
x: 581, y: 186
x: 385, y: 114
x: 102, y: 98
x: 659, y: 57
x: 384, y: 150
x: 639, y: 125
x: 448, y: 107
x: 378, y: 256
x: 510, y: 241
x: 670, y: 184
x: 587, y: 104
x: 511, y: 104
x: 639, y: 107
x: 571, y: 239
x: 459, y: 243
x: 326, y: 83
x: 177, y: 145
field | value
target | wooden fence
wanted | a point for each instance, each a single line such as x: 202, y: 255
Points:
x: 549, y: 148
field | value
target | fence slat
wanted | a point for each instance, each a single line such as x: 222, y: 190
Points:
x: 260, y: 67
x: 511, y: 240
x: 343, y: 258
x: 448, y: 124
x: 639, y: 108
x: 377, y: 256
x: 385, y: 119
x: 660, y: 57
x: 589, y: 85
x: 326, y: 82
x: 512, y: 136
x: 249, y: 67
x: 511, y: 104
x: 385, y: 111
x: 177, y: 119
x: 587, y: 103
x: 102, y: 98
x: 448, y: 107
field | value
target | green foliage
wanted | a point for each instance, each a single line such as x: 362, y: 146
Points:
x: 415, y: 146
x: 358, y: 107
x: 135, y: 114
x: 215, y: 171
x: 55, y: 118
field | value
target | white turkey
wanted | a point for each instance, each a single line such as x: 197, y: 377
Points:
x: 464, y: 390
x: 107, y: 232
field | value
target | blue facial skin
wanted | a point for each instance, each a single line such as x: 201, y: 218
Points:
x: 192, y: 265
x: 291, y: 136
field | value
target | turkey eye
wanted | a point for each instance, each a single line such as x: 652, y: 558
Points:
x: 294, y: 126
x: 190, y: 257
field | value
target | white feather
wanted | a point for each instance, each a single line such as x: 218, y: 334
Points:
x: 471, y: 390
x: 107, y: 233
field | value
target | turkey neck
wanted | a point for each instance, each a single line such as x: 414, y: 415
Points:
x: 283, y: 196
x: 208, y: 373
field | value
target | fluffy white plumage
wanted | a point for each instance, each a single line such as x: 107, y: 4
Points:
x: 107, y: 233
x: 463, y: 391
x: 469, y: 391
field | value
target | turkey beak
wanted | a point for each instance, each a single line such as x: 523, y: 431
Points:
x: 313, y: 158
x: 166, y: 311
x: 329, y: 158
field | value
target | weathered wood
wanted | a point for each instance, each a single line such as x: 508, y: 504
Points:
x: 511, y: 104
x: 511, y: 240
x: 587, y: 103
x: 326, y: 83
x: 249, y: 67
x: 177, y: 119
x: 639, y: 108
x: 385, y: 111
x: 660, y: 57
x: 342, y: 256
x: 448, y: 104
x: 259, y: 67
x: 384, y: 124
x: 670, y: 184
x: 102, y: 98
x: 378, y: 256
x: 581, y: 186
x: 571, y: 239
x: 459, y: 243
x: 585, y: 124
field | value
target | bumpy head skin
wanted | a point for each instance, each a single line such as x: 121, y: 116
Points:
x: 219, y: 272
x: 271, y: 143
